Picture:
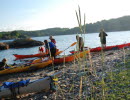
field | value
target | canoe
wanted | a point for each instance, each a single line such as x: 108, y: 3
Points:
x: 31, y: 55
x: 115, y: 47
x: 26, y: 67
x: 66, y: 58
x: 32, y: 87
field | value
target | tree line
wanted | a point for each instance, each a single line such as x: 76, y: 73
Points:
x: 117, y: 24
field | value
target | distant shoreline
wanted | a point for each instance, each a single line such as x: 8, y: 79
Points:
x: 65, y: 34
x: 112, y: 25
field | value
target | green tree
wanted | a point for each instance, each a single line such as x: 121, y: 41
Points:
x: 14, y: 34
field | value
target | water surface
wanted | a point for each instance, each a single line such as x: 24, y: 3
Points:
x: 63, y: 41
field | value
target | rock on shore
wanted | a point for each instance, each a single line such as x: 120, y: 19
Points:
x: 20, y: 43
x: 4, y: 46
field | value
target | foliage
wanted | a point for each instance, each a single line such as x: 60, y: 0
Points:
x: 118, y: 24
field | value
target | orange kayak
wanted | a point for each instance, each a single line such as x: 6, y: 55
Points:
x: 66, y: 58
x: 70, y: 58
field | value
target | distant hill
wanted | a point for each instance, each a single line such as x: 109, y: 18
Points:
x: 117, y: 24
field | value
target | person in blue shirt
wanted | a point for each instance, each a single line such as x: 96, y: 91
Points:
x: 50, y: 48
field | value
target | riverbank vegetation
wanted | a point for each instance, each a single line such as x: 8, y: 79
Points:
x: 117, y: 24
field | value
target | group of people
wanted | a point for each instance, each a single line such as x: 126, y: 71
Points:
x: 50, y: 50
x: 50, y: 47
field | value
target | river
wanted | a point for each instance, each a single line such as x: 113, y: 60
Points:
x: 63, y: 41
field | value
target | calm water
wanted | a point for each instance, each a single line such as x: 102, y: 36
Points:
x: 63, y: 41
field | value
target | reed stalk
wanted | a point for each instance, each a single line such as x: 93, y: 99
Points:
x: 124, y: 56
x: 82, y: 30
x: 80, y: 88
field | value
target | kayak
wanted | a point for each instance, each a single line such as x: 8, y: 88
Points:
x: 66, y: 58
x: 31, y: 55
x: 97, y: 49
x: 31, y: 86
x: 26, y: 67
x: 115, y: 47
x: 70, y: 58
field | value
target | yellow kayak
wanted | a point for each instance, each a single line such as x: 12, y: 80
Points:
x: 26, y: 67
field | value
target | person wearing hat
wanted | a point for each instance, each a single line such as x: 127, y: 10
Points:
x: 3, y: 64
x: 52, y: 40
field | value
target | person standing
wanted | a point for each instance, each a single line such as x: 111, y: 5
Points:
x: 102, y: 36
x: 80, y: 43
x: 50, y: 48
x: 52, y: 39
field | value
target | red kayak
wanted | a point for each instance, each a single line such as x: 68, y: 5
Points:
x: 32, y: 55
x: 29, y: 56
x: 115, y: 47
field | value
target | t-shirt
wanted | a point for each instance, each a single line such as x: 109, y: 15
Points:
x: 102, y: 35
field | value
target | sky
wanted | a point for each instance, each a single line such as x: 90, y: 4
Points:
x: 43, y: 14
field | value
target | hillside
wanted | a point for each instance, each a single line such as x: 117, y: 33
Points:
x: 117, y: 24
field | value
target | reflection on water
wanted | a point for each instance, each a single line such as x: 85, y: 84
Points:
x: 63, y: 41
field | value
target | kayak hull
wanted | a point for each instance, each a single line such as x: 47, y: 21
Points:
x: 25, y: 67
x: 68, y: 58
x: 98, y: 49
x: 31, y: 56
x: 33, y: 86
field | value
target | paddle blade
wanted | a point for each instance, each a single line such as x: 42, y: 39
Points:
x: 59, y: 52
x: 73, y: 44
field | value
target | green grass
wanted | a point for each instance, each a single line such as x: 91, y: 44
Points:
x: 116, y: 85
x: 119, y: 87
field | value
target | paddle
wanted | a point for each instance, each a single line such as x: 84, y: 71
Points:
x: 67, y: 48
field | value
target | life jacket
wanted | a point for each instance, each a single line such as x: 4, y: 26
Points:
x: 52, y: 45
x: 41, y: 49
x: 53, y: 40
